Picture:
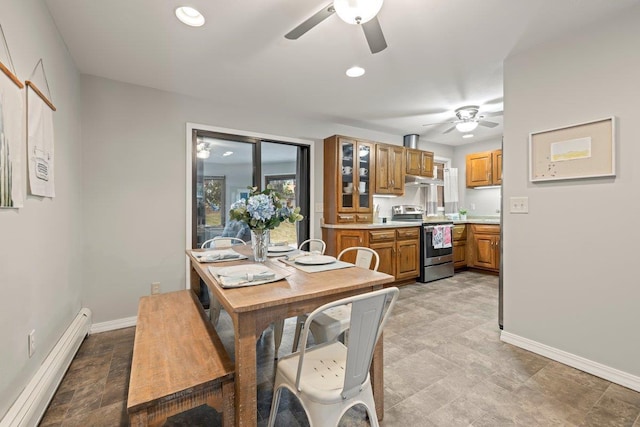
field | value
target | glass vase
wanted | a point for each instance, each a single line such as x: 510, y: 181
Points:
x: 260, y: 242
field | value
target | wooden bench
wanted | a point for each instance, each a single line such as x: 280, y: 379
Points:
x: 178, y: 363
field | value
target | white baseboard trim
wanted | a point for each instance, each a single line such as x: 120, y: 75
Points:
x: 608, y: 373
x: 112, y: 325
x: 31, y: 404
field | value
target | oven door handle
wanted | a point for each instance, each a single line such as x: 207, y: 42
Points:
x: 431, y: 227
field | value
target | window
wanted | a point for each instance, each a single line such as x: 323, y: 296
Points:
x: 286, y: 186
x: 224, y: 165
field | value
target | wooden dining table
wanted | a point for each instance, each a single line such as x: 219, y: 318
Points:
x: 254, y: 308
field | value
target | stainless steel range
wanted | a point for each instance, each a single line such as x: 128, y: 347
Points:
x: 436, y: 242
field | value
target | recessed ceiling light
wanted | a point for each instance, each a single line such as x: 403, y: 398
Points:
x: 227, y: 153
x: 355, y: 72
x: 190, y: 16
x: 467, y: 135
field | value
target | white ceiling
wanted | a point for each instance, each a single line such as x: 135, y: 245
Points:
x: 442, y: 54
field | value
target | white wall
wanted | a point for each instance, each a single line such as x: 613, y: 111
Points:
x: 569, y: 278
x: 135, y: 184
x: 40, y: 244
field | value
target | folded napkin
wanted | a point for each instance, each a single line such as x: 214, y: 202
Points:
x: 236, y: 279
x: 219, y: 255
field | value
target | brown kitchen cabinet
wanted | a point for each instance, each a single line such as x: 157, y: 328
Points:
x: 397, y: 248
x: 485, y: 247
x: 459, y: 246
x: 484, y: 169
x: 419, y: 162
x: 389, y: 169
x: 407, y: 253
x: 349, y: 173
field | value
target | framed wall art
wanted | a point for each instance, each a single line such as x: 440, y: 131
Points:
x: 584, y: 150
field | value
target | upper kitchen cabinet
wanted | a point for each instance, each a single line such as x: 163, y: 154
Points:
x: 419, y: 162
x: 389, y: 169
x: 484, y: 168
x: 349, y: 172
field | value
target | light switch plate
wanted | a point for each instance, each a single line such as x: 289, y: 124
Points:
x: 319, y: 207
x: 519, y: 205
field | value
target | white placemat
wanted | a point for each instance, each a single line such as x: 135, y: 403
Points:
x: 217, y: 255
x: 317, y: 268
x: 238, y: 276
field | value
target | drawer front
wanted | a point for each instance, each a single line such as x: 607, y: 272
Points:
x: 460, y: 232
x: 486, y: 228
x: 408, y: 233
x: 345, y: 218
x: 381, y: 235
x: 364, y: 218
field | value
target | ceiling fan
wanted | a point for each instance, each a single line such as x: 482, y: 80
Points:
x: 356, y: 12
x: 467, y: 119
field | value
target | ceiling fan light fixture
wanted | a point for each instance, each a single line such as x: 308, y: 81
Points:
x: 204, y: 154
x: 189, y: 16
x: 467, y: 126
x: 355, y: 71
x: 357, y: 11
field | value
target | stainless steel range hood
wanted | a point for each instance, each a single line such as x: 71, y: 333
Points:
x: 411, y: 141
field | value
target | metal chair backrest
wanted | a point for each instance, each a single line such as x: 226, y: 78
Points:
x: 315, y: 245
x: 369, y: 314
x: 363, y: 257
x: 222, y: 242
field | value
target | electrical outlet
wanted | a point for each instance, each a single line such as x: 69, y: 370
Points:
x: 155, y: 288
x: 519, y: 205
x: 473, y: 206
x: 32, y: 342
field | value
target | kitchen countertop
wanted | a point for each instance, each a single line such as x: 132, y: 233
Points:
x: 495, y: 221
x: 400, y: 224
x: 389, y: 224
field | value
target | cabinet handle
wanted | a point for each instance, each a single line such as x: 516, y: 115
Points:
x: 360, y: 240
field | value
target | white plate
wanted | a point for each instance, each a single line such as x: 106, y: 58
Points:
x: 242, y: 270
x: 283, y: 248
x: 315, y: 259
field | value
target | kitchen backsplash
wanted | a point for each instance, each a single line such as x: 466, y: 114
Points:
x: 484, y: 203
x: 412, y: 196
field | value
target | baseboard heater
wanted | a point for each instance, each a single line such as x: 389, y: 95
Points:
x: 30, y: 406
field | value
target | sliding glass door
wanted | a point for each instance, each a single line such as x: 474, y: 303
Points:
x: 224, y: 166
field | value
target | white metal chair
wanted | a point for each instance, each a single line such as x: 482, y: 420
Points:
x: 315, y: 245
x: 332, y: 323
x: 330, y: 378
x: 220, y: 243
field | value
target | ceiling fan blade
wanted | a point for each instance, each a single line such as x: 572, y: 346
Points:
x: 493, y: 114
x: 487, y: 123
x: 317, y: 18
x: 441, y: 123
x: 449, y: 130
x: 374, y: 36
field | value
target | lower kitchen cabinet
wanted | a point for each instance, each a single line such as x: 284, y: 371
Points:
x: 384, y: 243
x: 460, y: 246
x: 397, y: 248
x: 485, y: 245
x: 407, y: 253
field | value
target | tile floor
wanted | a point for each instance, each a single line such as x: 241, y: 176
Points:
x: 444, y: 366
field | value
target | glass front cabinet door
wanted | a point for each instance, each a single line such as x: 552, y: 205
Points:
x: 349, y: 171
x: 355, y: 161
